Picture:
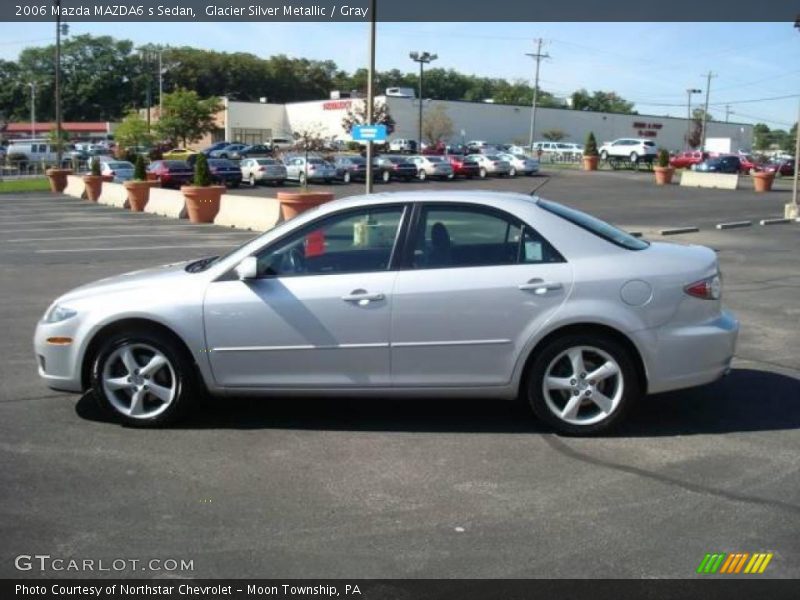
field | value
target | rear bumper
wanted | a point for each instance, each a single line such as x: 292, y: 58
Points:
x: 690, y: 355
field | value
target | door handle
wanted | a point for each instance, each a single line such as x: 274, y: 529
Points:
x: 362, y: 297
x: 540, y: 287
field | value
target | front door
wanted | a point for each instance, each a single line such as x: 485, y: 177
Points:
x: 480, y: 284
x: 319, y: 313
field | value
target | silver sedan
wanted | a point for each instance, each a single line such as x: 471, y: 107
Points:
x: 430, y: 294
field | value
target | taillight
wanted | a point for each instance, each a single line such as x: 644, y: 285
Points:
x: 111, y: 173
x: 262, y: 169
x: 706, y: 289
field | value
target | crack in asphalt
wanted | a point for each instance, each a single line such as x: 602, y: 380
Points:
x: 565, y: 450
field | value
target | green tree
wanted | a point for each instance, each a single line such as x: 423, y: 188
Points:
x: 187, y: 117
x: 553, y: 135
x: 601, y: 102
x: 789, y: 143
x: 357, y: 115
x: 139, y: 170
x: 437, y: 126
x: 133, y: 131
x: 761, y: 139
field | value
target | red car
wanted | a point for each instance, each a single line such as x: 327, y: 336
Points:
x: 685, y: 160
x: 749, y: 164
x: 781, y: 167
x: 463, y: 166
x: 171, y: 173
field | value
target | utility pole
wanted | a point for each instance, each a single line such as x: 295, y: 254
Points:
x: 689, y: 93
x: 59, y: 149
x: 33, y: 108
x: 371, y: 93
x: 727, y: 112
x: 160, y: 83
x: 795, y: 210
x: 423, y: 58
x: 537, y: 56
x: 709, y: 75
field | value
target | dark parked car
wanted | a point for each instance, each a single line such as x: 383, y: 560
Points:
x: 354, y: 168
x: 722, y: 164
x: 780, y: 167
x: 213, y: 147
x: 170, y: 173
x: 399, y: 167
x: 225, y: 172
x: 252, y: 151
x: 463, y: 165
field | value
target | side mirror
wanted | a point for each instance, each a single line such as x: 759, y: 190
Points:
x: 247, y: 269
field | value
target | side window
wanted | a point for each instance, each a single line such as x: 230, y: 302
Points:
x: 470, y: 237
x: 357, y: 241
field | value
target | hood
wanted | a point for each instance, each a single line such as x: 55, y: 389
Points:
x: 154, y: 276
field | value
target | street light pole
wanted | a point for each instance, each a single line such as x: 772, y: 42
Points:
x: 538, y: 56
x: 59, y: 149
x: 371, y: 94
x: 422, y: 58
x: 704, y: 130
x: 689, y: 93
x: 33, y: 108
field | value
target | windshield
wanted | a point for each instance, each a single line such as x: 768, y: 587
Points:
x: 595, y: 226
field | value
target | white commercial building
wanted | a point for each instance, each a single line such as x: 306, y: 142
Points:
x: 495, y: 123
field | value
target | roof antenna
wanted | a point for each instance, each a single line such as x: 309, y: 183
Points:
x: 540, y: 186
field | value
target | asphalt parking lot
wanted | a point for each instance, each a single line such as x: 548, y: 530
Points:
x: 375, y: 488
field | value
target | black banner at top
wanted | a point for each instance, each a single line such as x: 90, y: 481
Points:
x: 399, y: 10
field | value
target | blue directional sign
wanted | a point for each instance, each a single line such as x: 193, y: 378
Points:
x: 368, y: 133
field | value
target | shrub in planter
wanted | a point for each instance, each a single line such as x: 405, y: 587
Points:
x: 590, y: 154
x: 762, y: 181
x: 202, y: 198
x: 138, y: 188
x: 94, y: 182
x: 663, y: 170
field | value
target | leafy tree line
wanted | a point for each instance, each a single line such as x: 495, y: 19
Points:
x: 104, y: 78
x: 765, y: 138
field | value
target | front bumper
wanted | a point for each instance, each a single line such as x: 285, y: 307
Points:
x: 691, y: 355
x: 59, y: 364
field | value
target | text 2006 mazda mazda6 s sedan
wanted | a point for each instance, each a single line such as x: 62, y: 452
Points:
x: 423, y: 294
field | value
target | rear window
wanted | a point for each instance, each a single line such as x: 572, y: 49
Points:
x: 435, y: 159
x: 650, y: 144
x: 594, y: 225
x: 267, y: 161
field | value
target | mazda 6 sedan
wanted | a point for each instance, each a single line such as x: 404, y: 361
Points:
x: 425, y: 294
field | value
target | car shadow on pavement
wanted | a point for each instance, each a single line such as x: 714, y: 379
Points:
x: 746, y: 400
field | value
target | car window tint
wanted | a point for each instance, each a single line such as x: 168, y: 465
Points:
x: 358, y: 241
x: 470, y: 237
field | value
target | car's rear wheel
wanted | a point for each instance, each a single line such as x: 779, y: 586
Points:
x: 604, y: 155
x: 422, y: 175
x: 582, y: 384
x: 512, y: 172
x: 143, y: 379
x: 482, y: 173
x: 346, y: 177
x: 634, y: 157
x: 386, y: 177
x: 252, y: 180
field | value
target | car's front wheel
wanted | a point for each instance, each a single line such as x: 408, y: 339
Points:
x: 582, y: 384
x: 143, y: 379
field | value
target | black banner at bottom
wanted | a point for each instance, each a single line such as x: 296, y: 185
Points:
x: 718, y: 588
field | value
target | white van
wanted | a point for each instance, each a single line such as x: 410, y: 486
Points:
x: 35, y: 150
x: 280, y: 143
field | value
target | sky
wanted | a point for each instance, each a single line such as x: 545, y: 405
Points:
x: 756, y: 65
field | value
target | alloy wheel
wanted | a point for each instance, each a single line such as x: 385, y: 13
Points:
x: 139, y: 381
x: 583, y: 385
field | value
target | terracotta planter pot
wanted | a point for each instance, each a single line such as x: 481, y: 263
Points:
x: 663, y: 175
x: 138, y: 194
x: 293, y: 203
x: 94, y: 186
x: 590, y: 163
x: 762, y: 182
x: 202, y: 203
x: 58, y: 179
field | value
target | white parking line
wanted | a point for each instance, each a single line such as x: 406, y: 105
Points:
x: 128, y: 248
x: 114, y: 237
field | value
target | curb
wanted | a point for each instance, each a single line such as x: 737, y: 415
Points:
x: 677, y: 230
x: 734, y: 224
x: 775, y: 221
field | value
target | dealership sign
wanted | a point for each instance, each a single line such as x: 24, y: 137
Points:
x: 645, y: 129
x: 337, y: 105
x: 368, y: 133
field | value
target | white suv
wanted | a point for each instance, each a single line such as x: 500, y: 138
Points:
x: 631, y: 148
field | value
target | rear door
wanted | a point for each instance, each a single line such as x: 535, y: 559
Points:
x: 478, y: 284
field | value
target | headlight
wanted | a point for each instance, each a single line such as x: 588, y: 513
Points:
x: 58, y: 313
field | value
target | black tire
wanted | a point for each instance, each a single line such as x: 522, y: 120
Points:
x: 628, y: 379
x: 187, y: 389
